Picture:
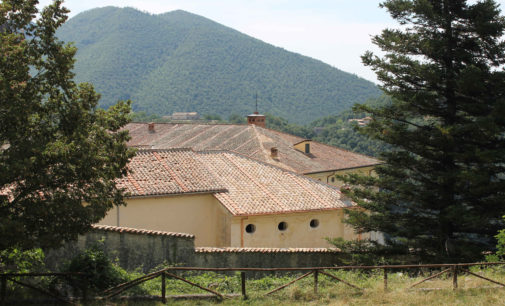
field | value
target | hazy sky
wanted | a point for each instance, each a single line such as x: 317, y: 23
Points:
x: 336, y: 32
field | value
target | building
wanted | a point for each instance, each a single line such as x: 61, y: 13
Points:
x: 226, y: 199
x: 185, y: 116
x: 303, y: 156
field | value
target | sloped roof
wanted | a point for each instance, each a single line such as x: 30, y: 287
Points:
x: 249, y: 140
x: 244, y: 186
x: 162, y: 172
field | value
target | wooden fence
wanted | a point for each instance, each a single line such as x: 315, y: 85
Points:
x: 453, y: 269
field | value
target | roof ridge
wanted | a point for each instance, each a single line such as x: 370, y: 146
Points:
x: 202, y: 123
x: 149, y: 150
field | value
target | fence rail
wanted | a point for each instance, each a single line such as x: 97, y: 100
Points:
x: 169, y: 272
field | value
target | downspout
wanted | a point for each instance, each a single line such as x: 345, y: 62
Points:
x: 241, y: 232
x: 328, y: 177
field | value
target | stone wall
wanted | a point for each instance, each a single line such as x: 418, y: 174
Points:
x: 134, y: 248
x: 265, y: 257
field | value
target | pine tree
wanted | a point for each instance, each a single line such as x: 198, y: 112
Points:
x: 59, y: 153
x: 440, y: 191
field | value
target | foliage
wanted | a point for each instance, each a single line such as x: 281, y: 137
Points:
x: 237, y: 119
x: 57, y: 150
x: 501, y: 243
x: 99, y: 273
x: 440, y: 192
x: 368, y: 253
x: 281, y: 124
x: 181, y: 62
x: 210, y: 117
x: 338, y: 131
x: 18, y: 261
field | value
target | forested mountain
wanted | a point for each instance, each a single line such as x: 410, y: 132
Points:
x: 179, y: 61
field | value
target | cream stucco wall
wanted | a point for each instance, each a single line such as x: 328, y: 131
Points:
x: 298, y: 233
x: 201, y: 215
x: 327, y: 176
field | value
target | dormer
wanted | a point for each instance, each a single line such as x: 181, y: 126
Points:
x: 303, y: 146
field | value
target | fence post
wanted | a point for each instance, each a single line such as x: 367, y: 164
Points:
x: 455, y: 277
x: 316, y: 274
x: 242, y: 278
x: 163, y: 288
x: 385, y: 279
x: 3, y: 289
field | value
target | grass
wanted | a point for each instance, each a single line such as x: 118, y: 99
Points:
x: 471, y: 290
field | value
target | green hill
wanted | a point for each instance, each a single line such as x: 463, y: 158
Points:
x: 179, y: 61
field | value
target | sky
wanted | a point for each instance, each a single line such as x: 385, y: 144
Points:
x: 336, y: 32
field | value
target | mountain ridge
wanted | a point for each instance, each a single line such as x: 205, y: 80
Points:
x: 180, y: 61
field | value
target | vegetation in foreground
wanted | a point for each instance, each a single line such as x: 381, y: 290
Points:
x: 102, y: 274
x: 59, y: 153
x: 471, y: 291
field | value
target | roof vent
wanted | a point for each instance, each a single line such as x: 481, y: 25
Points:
x: 150, y: 127
x: 274, y: 152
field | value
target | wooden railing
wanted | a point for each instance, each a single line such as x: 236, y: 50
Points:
x: 454, y: 269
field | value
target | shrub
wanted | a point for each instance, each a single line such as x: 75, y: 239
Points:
x: 99, y: 273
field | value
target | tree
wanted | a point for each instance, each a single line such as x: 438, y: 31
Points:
x: 440, y: 192
x: 60, y: 154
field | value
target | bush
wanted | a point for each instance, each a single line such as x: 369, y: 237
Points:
x: 501, y: 243
x: 99, y: 273
x: 15, y: 260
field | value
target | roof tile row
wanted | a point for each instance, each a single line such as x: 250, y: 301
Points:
x: 265, y: 250
x: 130, y: 230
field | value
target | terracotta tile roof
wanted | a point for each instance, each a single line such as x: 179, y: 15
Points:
x: 163, y: 172
x: 243, y: 185
x: 249, y: 140
x: 130, y: 230
x: 256, y: 188
x: 265, y: 250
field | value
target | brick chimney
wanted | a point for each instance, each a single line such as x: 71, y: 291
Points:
x: 256, y: 119
x: 274, y: 152
x: 150, y: 127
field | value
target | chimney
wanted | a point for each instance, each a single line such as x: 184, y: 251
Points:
x: 274, y: 153
x: 150, y: 127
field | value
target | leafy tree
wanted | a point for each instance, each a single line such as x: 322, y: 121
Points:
x: 441, y: 190
x: 59, y: 155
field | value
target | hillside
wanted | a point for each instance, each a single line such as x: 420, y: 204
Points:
x: 179, y: 61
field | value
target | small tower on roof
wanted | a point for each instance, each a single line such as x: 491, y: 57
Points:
x: 256, y: 118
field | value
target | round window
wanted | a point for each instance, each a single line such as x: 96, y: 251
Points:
x: 250, y: 228
x: 282, y: 226
x: 314, y: 223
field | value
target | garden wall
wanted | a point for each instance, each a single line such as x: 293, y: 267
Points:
x: 134, y: 248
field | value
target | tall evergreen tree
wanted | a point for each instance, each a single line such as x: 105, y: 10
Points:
x: 59, y: 153
x: 440, y: 192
